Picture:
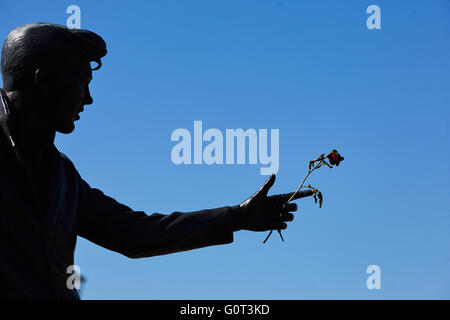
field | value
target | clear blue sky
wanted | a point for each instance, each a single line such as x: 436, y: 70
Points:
x: 311, y: 69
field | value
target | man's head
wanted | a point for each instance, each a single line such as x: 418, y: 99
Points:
x: 52, y: 64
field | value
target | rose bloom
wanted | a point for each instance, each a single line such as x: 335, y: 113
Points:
x: 335, y: 158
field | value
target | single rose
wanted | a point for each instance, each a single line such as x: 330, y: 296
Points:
x: 335, y: 158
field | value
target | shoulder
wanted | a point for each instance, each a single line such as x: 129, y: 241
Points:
x: 65, y: 159
x: 68, y: 165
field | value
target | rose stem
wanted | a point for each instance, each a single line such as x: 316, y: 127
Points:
x: 304, y: 179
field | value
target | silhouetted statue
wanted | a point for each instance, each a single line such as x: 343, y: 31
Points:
x: 45, y: 204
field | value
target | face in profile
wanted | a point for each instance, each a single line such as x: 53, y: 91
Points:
x: 67, y: 95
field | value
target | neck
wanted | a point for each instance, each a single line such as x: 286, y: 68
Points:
x: 30, y: 128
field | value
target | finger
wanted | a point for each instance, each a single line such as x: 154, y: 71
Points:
x: 278, y: 226
x: 300, y: 194
x: 268, y: 184
x: 287, y: 217
x: 290, y: 207
x: 279, y: 200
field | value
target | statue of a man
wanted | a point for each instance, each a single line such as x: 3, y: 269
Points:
x: 45, y: 204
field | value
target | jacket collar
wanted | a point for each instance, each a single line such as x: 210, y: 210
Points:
x: 7, y: 125
x: 5, y: 121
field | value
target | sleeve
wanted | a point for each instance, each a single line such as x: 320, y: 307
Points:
x: 112, y: 225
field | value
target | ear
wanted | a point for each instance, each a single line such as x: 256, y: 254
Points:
x: 42, y: 80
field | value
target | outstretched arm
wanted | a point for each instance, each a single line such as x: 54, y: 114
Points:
x: 115, y: 226
x: 112, y: 225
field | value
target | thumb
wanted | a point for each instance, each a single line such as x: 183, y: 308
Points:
x: 268, y: 184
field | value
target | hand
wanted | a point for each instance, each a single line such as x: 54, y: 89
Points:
x: 263, y: 213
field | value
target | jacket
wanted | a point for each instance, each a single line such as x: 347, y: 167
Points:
x: 44, y: 208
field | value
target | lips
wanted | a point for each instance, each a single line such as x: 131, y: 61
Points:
x: 77, y: 115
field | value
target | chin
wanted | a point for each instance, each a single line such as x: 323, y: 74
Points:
x: 69, y: 128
